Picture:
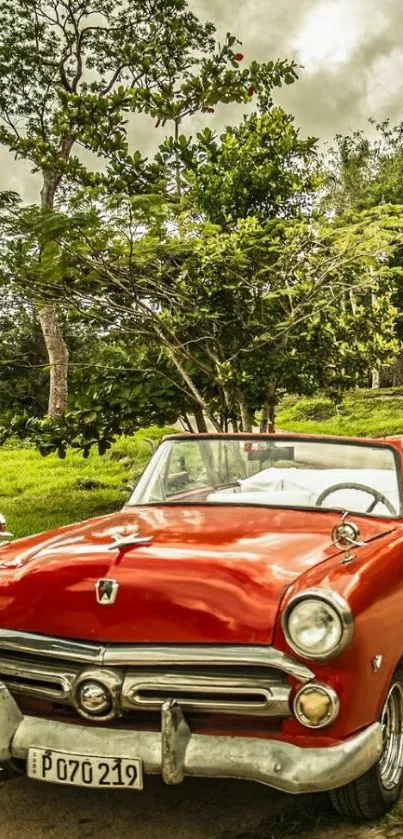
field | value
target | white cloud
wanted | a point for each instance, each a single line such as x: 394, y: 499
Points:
x: 332, y: 31
x: 385, y: 81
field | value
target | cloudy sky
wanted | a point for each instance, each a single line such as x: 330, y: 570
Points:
x: 351, y: 51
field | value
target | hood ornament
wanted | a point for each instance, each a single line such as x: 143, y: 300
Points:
x: 345, y: 536
x: 106, y: 592
x: 130, y: 540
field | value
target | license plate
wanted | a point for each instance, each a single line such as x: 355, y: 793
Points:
x: 84, y: 770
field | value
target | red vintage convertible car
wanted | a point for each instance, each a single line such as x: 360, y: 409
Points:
x: 240, y: 617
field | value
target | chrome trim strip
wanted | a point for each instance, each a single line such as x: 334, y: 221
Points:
x: 46, y: 645
x: 126, y: 655
x: 209, y: 655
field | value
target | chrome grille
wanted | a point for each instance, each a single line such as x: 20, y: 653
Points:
x: 240, y: 680
x: 32, y: 678
x: 218, y: 692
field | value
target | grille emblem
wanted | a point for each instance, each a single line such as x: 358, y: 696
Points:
x: 94, y: 698
x: 106, y: 591
x: 96, y: 694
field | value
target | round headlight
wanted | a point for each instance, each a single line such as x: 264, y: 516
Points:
x: 318, y: 624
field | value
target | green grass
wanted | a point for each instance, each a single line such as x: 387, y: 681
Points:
x: 39, y: 493
x: 363, y: 413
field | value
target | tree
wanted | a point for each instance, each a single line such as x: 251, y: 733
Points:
x: 367, y: 172
x: 70, y: 75
x: 243, y: 315
x: 22, y: 360
x: 260, y: 168
x: 280, y: 305
x: 227, y: 314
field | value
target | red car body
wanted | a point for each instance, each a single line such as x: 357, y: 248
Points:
x: 213, y: 575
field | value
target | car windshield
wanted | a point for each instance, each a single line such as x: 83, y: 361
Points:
x: 279, y: 472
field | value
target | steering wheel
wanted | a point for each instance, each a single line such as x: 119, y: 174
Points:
x: 379, y: 498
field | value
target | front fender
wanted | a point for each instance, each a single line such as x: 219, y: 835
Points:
x: 372, y: 583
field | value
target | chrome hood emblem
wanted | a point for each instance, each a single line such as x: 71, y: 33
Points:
x: 106, y: 592
x: 128, y: 540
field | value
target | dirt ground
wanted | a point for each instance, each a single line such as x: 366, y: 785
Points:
x: 195, y: 810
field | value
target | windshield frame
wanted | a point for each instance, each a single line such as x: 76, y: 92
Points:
x: 162, y: 452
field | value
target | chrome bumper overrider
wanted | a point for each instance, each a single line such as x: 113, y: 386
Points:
x: 175, y: 752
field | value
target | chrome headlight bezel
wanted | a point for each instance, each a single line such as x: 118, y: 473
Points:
x: 339, y: 605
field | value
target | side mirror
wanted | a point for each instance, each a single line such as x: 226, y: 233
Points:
x: 4, y: 533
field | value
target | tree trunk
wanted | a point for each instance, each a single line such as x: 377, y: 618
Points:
x: 272, y: 418
x: 267, y: 421
x: 376, y: 377
x: 56, y: 346
x: 58, y: 360
x: 264, y: 419
x: 201, y: 424
x: 246, y: 418
x: 376, y: 380
x: 185, y: 421
x: 48, y: 191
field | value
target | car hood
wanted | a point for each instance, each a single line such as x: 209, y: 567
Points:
x: 209, y: 574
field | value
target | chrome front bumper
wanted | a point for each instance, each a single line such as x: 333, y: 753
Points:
x: 175, y: 752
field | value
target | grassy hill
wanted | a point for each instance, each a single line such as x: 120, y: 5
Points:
x: 363, y: 413
x: 38, y: 493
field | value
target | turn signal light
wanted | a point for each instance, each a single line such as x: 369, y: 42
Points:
x: 316, y: 706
